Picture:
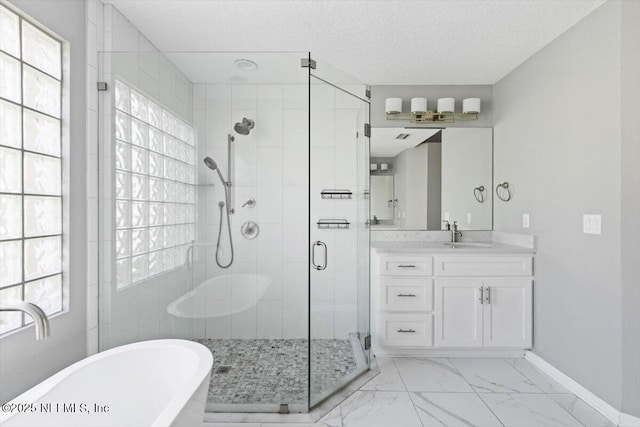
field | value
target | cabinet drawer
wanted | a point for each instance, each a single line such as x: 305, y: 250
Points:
x: 406, y: 294
x: 406, y: 330
x: 406, y: 266
x: 483, y: 266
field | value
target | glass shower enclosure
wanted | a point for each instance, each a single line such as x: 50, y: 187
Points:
x: 261, y: 252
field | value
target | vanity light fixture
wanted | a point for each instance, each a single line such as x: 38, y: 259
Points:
x: 444, y: 113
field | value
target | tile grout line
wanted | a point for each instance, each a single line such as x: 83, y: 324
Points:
x: 475, y: 392
x: 544, y: 392
x: 407, y: 391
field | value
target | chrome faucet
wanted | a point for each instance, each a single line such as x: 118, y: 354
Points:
x: 375, y: 220
x: 455, y: 234
x: 40, y: 318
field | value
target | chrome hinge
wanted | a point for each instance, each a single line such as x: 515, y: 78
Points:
x: 367, y: 342
x: 367, y: 92
x: 102, y: 86
x: 367, y: 130
x: 308, y: 63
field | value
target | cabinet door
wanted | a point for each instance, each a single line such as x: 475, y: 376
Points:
x: 507, y: 313
x: 458, y: 313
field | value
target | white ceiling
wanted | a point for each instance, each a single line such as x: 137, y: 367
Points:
x: 379, y: 42
x: 385, y: 144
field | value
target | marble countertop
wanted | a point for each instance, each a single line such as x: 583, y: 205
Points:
x: 476, y: 248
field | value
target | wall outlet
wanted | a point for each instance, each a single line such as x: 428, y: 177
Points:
x: 469, y: 218
x: 446, y: 216
x: 592, y: 224
x: 525, y: 220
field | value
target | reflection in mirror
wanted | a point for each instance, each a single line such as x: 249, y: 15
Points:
x: 382, y: 204
x: 431, y: 176
x: 467, y: 167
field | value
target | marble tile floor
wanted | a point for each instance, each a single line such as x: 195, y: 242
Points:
x: 451, y: 392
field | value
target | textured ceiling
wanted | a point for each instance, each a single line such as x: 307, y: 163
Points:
x: 379, y: 42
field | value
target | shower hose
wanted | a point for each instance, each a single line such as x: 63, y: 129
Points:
x: 221, y: 205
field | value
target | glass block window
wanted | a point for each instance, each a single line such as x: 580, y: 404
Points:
x: 30, y: 168
x: 154, y: 186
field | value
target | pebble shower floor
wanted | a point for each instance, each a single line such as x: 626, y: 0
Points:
x: 274, y: 371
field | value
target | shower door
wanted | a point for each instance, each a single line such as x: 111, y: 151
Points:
x: 339, y: 209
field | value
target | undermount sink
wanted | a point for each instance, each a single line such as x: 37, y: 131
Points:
x: 463, y: 245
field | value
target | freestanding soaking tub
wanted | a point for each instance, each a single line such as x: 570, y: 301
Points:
x: 149, y: 383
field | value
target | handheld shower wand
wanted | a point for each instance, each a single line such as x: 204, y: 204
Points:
x: 211, y: 164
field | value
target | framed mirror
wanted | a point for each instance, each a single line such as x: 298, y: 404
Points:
x: 431, y: 176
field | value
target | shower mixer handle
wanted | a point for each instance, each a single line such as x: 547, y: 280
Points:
x: 251, y: 202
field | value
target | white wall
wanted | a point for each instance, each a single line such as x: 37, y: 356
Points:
x: 557, y: 140
x: 26, y: 362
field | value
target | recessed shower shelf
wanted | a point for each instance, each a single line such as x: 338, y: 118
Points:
x: 342, y: 224
x: 335, y: 194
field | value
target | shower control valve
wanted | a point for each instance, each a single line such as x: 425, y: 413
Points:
x: 251, y: 202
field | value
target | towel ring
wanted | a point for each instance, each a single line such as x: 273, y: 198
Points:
x: 479, y: 194
x: 501, y: 194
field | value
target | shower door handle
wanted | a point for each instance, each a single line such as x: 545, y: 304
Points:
x: 313, y: 255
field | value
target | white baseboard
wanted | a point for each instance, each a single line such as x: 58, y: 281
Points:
x: 386, y: 351
x: 627, y: 420
x: 612, y: 414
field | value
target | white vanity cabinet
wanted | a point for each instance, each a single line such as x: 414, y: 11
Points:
x: 439, y: 302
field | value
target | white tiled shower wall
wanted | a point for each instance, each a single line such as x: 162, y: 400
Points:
x: 271, y: 165
x: 137, y: 312
x: 339, y: 161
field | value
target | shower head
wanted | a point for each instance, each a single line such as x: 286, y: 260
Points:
x: 211, y: 164
x: 244, y: 127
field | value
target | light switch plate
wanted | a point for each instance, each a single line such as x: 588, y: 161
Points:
x: 592, y: 224
x: 468, y: 217
x: 446, y: 216
x: 525, y: 220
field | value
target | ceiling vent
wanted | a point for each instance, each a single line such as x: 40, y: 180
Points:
x: 403, y: 136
